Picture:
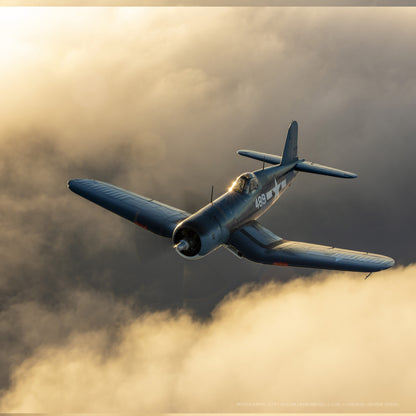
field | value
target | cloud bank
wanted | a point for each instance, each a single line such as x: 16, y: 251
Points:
x: 335, y: 343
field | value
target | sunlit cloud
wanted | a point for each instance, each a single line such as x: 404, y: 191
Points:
x: 339, y: 342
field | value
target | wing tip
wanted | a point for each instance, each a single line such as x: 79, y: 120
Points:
x: 389, y: 262
x: 74, y: 184
x: 384, y: 263
x: 70, y: 184
x: 350, y: 175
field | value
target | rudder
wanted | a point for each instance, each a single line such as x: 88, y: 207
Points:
x: 290, y: 154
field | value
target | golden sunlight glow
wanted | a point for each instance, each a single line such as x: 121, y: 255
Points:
x: 53, y: 58
x: 28, y: 33
x: 232, y: 186
x: 11, y: 17
x: 15, y: 24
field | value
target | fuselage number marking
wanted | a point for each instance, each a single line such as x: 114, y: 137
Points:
x: 260, y: 201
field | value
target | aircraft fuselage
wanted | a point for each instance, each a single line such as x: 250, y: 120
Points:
x: 210, y: 227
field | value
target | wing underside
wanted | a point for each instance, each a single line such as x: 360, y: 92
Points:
x: 257, y: 243
x: 145, y: 212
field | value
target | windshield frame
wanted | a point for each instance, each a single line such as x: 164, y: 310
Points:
x: 245, y: 183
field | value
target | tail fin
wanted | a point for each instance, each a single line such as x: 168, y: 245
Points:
x: 290, y: 154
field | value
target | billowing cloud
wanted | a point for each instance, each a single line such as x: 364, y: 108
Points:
x: 336, y: 343
x: 157, y: 101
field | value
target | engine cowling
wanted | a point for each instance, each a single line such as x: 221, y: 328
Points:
x: 198, y: 235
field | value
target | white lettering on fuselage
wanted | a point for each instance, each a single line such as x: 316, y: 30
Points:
x: 262, y: 199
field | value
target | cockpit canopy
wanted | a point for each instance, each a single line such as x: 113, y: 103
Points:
x: 245, y: 183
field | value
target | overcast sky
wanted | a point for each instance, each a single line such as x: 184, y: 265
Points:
x: 157, y: 101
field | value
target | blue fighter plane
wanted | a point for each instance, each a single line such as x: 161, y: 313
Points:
x: 231, y: 220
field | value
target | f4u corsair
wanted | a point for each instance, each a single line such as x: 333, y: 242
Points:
x: 231, y: 220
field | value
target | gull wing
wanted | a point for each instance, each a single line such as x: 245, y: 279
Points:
x: 257, y: 243
x: 152, y: 215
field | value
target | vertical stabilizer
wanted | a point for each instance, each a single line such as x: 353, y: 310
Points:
x: 290, y: 154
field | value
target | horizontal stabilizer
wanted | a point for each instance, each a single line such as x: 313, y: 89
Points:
x: 301, y: 165
x: 263, y: 157
x: 305, y: 166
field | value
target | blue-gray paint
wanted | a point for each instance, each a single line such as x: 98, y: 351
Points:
x: 231, y: 220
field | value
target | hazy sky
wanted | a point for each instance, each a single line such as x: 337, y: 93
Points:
x: 157, y: 101
x: 291, y: 3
